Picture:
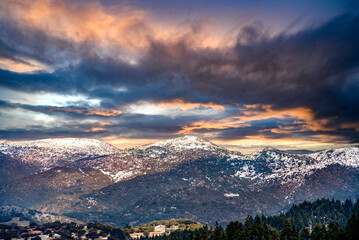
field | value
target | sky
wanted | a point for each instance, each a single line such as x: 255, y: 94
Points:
x: 243, y: 74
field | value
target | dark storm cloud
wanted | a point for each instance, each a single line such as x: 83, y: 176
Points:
x: 296, y: 132
x: 262, y: 127
x: 126, y: 126
x: 18, y: 42
x: 75, y: 123
x: 73, y: 112
x: 31, y: 82
x: 40, y: 132
x: 315, y: 68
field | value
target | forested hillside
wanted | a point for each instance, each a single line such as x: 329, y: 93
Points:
x: 322, y: 219
x: 256, y: 228
x: 321, y: 211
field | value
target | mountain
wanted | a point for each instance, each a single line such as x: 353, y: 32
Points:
x: 9, y: 213
x: 55, y: 182
x: 153, y: 158
x: 12, y: 168
x: 184, y: 177
x: 42, y: 155
x: 31, y: 157
x: 225, y: 188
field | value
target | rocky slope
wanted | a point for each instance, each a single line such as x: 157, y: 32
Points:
x: 52, y: 183
x: 225, y: 188
x: 24, y: 214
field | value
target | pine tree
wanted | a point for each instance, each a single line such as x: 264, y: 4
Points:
x: 333, y: 230
x: 234, y: 230
x: 319, y: 232
x: 204, y: 233
x: 217, y: 233
x: 352, y: 228
x: 304, y: 234
x: 288, y: 232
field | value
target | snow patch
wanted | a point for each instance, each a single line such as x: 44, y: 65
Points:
x: 83, y: 172
x: 230, y: 195
x: 122, y: 175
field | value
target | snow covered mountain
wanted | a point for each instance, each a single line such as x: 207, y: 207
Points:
x: 184, y: 143
x: 42, y: 155
x: 227, y: 187
x: 119, y: 164
x: 180, y: 177
x: 54, y: 152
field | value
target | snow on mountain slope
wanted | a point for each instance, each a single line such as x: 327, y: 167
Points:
x: 344, y: 156
x: 70, y: 144
x: 273, y: 164
x: 157, y: 157
x: 269, y: 179
x: 119, y: 164
x: 122, y: 164
x: 184, y: 143
x: 54, y: 152
x: 260, y: 183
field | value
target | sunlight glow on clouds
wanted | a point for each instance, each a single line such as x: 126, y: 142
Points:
x: 58, y: 100
x: 258, y: 143
x: 13, y: 119
x: 22, y: 66
x: 133, y: 72
x: 48, y: 99
x: 175, y: 108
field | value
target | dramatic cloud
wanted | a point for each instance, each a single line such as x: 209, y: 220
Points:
x: 152, y: 80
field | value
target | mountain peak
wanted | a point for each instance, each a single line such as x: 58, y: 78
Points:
x: 185, y: 142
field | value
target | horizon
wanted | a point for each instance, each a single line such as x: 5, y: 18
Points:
x: 243, y: 75
x: 243, y: 150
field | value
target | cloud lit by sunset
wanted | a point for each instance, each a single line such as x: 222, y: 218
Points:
x: 133, y: 72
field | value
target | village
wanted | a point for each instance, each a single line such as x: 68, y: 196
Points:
x: 21, y: 230
x: 161, y: 227
x: 58, y: 230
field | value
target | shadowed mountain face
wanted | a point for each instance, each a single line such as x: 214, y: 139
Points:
x: 184, y: 177
x: 55, y: 182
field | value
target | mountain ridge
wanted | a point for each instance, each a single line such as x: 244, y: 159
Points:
x: 153, y: 181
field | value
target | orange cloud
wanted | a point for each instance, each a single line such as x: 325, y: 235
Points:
x: 179, y: 103
x: 354, y: 125
x: 106, y: 113
x: 84, y: 22
x: 100, y: 127
x: 255, y: 143
x: 21, y: 67
x: 88, y: 112
x: 248, y: 144
x: 173, y: 107
x: 260, y: 112
x: 300, y: 113
x: 124, y: 29
x: 128, y: 142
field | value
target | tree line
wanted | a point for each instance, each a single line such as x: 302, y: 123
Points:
x: 260, y: 230
x: 323, y: 219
